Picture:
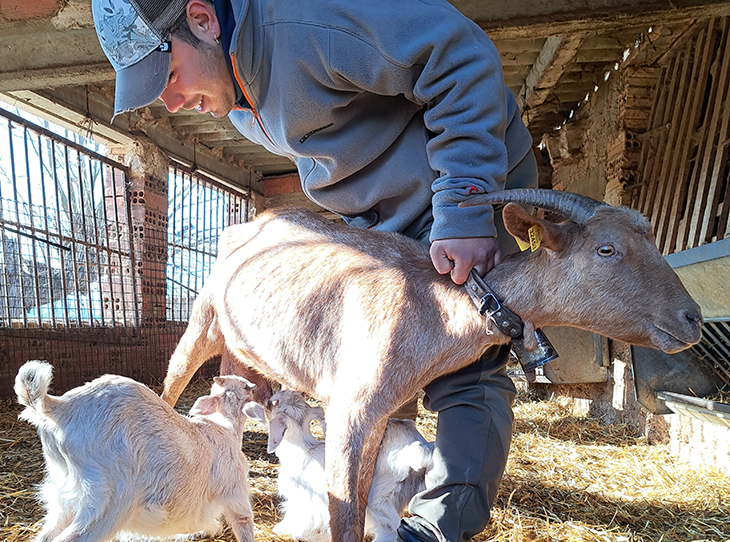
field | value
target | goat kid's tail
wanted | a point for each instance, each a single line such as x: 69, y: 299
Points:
x: 31, y: 387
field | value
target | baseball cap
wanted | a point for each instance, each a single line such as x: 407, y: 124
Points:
x: 135, y: 36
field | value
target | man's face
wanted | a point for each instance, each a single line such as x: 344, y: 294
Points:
x: 199, y: 79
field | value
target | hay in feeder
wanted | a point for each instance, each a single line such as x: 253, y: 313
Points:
x: 569, y: 478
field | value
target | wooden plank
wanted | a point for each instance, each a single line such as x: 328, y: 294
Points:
x: 527, y: 58
x: 723, y: 223
x: 715, y: 100
x: 634, y: 102
x: 664, y: 138
x: 705, y: 42
x: 286, y: 184
x: 726, y: 233
x: 669, y: 162
x: 519, y: 45
x: 707, y: 231
x: 674, y: 182
x: 699, y: 139
x: 60, y: 76
x: 532, y: 19
x: 666, y: 115
x: 218, y: 136
x: 648, y: 156
x: 595, y: 56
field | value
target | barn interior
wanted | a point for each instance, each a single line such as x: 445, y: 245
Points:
x: 108, y: 229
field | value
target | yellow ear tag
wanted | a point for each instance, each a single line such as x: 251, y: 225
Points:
x: 535, y: 234
x: 520, y: 243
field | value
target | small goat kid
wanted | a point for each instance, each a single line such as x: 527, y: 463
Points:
x: 400, y: 470
x: 118, y: 458
x: 359, y: 319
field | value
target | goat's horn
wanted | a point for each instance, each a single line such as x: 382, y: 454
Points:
x: 573, y: 206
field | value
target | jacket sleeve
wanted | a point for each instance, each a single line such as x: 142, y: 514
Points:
x: 445, y: 63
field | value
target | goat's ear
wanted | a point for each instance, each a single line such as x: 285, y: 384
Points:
x: 221, y: 380
x: 208, y: 404
x: 255, y: 411
x: 317, y: 413
x: 277, y: 428
x: 518, y: 223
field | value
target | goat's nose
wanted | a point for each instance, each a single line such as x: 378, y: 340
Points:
x: 694, y: 315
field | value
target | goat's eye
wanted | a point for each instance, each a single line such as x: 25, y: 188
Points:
x: 606, y: 251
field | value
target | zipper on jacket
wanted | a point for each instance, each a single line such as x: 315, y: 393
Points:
x: 248, y: 99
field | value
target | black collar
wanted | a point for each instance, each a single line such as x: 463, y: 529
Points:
x: 510, y: 324
x: 486, y: 301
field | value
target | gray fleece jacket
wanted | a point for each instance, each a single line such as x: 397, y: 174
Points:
x: 387, y: 107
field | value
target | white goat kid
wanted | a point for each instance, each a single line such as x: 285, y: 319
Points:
x: 400, y: 470
x: 118, y: 458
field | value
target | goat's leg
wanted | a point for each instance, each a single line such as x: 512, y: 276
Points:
x: 53, y: 525
x: 366, y: 469
x: 382, y: 518
x: 60, y: 513
x: 201, y: 341
x: 241, y: 522
x: 95, y: 532
x: 349, y: 432
x: 94, y: 521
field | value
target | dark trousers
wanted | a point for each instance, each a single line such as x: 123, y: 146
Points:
x: 474, y: 428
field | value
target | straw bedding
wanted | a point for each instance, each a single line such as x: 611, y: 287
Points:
x: 568, y: 478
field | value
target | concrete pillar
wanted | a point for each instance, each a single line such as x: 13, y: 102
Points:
x: 148, y: 173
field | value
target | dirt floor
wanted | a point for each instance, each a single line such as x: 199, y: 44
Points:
x: 568, y: 479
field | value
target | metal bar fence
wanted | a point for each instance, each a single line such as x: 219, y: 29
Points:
x: 199, y: 209
x: 65, y: 250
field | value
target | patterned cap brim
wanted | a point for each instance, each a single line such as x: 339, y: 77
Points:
x: 141, y: 83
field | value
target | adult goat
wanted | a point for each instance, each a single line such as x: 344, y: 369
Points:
x: 361, y: 320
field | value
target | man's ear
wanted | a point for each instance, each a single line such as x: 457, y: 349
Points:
x: 203, y: 21
x: 519, y: 222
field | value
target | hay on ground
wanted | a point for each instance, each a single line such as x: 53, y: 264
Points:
x: 568, y: 478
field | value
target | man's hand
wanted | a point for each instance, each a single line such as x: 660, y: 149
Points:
x: 458, y: 256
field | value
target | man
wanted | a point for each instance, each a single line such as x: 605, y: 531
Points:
x: 394, y: 112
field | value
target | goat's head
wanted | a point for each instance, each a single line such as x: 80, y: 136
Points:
x: 232, y: 397
x: 601, y: 271
x: 289, y: 410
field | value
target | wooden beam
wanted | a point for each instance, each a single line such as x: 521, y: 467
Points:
x: 92, y: 111
x: 69, y: 118
x: 554, y: 57
x: 524, y: 19
x: 62, y: 76
x: 274, y: 186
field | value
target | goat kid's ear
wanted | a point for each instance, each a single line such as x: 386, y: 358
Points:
x: 255, y: 411
x: 317, y: 413
x: 518, y: 222
x: 208, y: 404
x: 277, y: 428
